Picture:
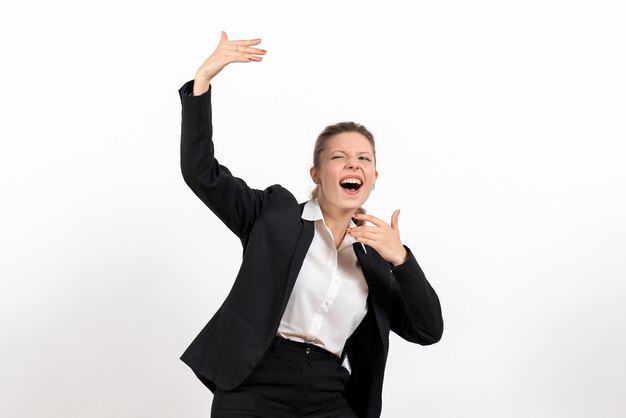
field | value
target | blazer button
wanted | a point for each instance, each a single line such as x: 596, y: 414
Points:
x: 308, y: 351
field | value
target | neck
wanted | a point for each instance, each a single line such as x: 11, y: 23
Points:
x: 337, y: 220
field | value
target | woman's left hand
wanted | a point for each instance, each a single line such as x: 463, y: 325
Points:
x: 383, y: 237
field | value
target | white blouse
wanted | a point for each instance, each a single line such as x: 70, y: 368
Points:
x: 329, y: 298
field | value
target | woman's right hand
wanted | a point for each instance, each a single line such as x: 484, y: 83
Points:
x: 227, y: 52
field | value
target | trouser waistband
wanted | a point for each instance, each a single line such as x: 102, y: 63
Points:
x: 303, y: 349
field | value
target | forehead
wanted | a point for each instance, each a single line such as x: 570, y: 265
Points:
x: 349, y: 141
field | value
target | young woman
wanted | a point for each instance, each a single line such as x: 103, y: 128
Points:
x: 304, y: 332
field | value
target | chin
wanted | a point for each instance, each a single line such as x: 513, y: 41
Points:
x: 354, y: 204
x: 345, y: 201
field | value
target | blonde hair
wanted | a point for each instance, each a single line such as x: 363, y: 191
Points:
x: 328, y: 133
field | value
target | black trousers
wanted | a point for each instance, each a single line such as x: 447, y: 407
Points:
x: 292, y: 380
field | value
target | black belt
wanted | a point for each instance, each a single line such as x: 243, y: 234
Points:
x: 304, y: 349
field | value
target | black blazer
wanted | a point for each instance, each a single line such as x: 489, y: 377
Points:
x: 275, y: 241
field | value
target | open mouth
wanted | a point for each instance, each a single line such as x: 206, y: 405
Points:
x: 351, y: 185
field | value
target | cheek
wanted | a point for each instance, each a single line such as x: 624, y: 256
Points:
x: 371, y: 173
x: 330, y: 173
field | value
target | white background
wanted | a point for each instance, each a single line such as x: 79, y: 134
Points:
x: 500, y: 129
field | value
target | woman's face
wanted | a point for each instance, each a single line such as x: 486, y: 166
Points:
x: 347, y: 172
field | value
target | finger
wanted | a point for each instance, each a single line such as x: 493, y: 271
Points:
x: 371, y: 235
x: 394, y: 219
x: 245, y: 42
x: 372, y: 243
x: 223, y: 37
x: 371, y: 219
x: 366, y: 230
x: 238, y: 57
x: 249, y: 50
x: 231, y: 47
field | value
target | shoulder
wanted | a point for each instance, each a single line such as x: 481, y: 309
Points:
x: 281, y: 202
x: 278, y: 192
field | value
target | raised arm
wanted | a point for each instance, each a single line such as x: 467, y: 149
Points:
x: 229, y: 197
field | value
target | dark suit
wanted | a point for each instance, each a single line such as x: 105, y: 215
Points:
x: 275, y: 240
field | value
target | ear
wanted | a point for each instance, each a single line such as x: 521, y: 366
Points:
x: 375, y: 176
x: 314, y: 175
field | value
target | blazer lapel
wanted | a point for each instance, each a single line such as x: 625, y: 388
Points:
x: 379, y: 283
x: 302, y: 247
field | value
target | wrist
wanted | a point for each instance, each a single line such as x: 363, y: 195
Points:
x: 200, y: 85
x: 401, y: 259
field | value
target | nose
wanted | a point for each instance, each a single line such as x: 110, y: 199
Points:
x: 353, y: 164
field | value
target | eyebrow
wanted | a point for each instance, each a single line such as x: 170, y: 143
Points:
x: 344, y: 152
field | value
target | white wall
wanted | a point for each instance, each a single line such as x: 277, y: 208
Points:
x: 500, y: 130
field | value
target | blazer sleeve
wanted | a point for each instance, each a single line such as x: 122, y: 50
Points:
x: 416, y: 311
x: 228, y: 197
